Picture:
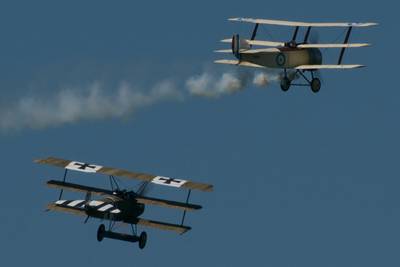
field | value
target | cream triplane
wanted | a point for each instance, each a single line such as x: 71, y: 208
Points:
x: 298, y: 57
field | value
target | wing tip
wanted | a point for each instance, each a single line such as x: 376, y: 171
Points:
x: 38, y: 161
x: 226, y: 61
x: 180, y: 229
x: 227, y: 40
x: 185, y: 231
x: 50, y: 207
x: 209, y: 188
x: 43, y: 160
x: 337, y: 67
x: 371, y: 24
x: 223, y: 51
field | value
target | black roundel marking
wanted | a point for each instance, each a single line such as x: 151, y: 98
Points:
x: 280, y: 59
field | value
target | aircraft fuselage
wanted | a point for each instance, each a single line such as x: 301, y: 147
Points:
x: 286, y: 58
x: 125, y: 209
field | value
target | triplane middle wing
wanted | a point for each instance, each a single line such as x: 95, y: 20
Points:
x: 119, y: 205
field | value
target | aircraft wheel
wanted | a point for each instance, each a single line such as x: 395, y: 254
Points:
x: 285, y: 84
x: 315, y: 85
x: 142, y: 240
x: 100, y: 232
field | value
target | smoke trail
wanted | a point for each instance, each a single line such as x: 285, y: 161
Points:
x: 208, y: 85
x: 215, y: 86
x: 263, y: 79
x: 96, y: 101
x: 92, y: 103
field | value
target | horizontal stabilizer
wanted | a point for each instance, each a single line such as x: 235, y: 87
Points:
x: 303, y: 24
x: 333, y: 45
x: 180, y: 229
x: 315, y: 67
x: 236, y: 62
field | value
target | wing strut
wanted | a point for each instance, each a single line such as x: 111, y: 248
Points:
x: 62, y: 190
x: 113, y: 183
x: 307, y: 35
x: 346, y: 40
x: 253, y: 36
x: 184, y: 212
x: 295, y: 34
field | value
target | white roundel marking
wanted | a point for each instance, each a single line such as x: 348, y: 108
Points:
x: 280, y: 59
x: 162, y: 180
x: 83, y: 167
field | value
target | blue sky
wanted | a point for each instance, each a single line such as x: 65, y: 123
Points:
x: 300, y: 179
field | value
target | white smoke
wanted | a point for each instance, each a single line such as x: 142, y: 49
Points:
x: 92, y: 103
x: 97, y: 101
x: 208, y: 85
x: 260, y: 79
x: 215, y: 86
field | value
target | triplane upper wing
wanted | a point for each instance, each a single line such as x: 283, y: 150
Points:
x: 303, y: 24
x: 93, y: 168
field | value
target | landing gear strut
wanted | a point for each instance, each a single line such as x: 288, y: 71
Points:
x: 102, y: 233
x: 314, y: 83
x: 142, y: 240
x: 285, y: 83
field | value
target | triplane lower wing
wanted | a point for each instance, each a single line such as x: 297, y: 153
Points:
x: 117, y: 205
x: 293, y: 55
